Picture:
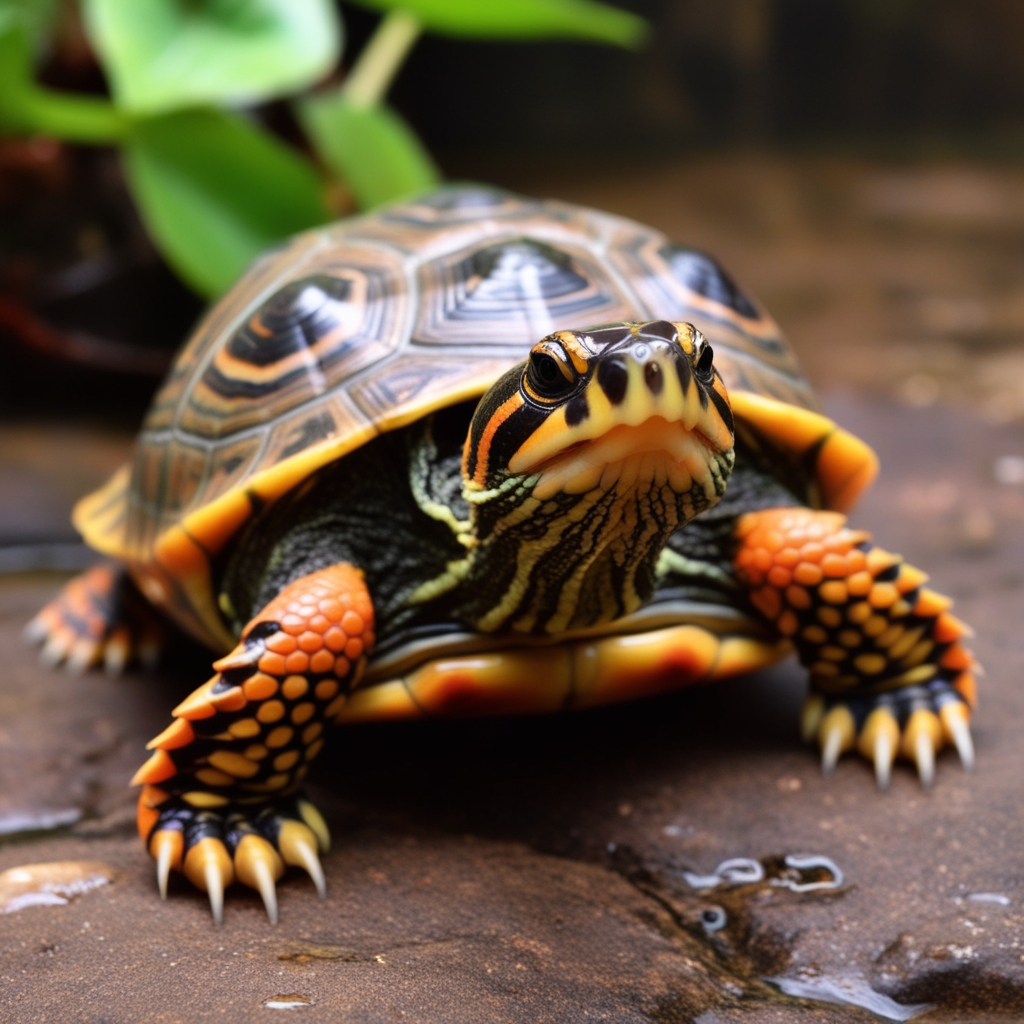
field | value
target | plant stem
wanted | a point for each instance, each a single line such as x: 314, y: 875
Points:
x: 74, y: 118
x: 378, y: 63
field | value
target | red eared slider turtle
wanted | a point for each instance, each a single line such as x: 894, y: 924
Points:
x: 396, y: 472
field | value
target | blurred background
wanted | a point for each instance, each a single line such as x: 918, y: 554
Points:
x: 857, y: 164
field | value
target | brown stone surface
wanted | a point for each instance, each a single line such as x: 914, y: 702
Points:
x: 531, y: 870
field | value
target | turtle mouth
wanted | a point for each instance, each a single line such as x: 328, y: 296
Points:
x: 654, y: 453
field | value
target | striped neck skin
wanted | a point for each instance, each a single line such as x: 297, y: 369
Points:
x: 578, y: 467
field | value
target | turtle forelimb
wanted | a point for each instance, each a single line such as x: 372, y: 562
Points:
x: 220, y: 799
x: 889, y: 674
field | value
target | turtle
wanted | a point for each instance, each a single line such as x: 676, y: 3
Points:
x: 472, y: 454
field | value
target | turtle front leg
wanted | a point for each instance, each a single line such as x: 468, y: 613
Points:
x: 889, y: 675
x: 99, y: 616
x: 220, y: 798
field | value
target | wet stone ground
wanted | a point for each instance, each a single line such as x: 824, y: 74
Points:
x: 534, y: 869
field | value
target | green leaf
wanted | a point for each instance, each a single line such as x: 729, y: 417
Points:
x: 36, y: 17
x: 28, y: 109
x: 523, y: 19
x: 376, y: 153
x: 165, y: 54
x: 215, y: 191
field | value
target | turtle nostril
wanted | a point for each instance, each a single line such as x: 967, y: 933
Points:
x: 653, y: 378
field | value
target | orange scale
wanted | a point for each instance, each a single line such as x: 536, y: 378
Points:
x: 274, y: 664
x: 787, y: 558
x: 812, y: 552
x: 834, y: 565
x: 807, y: 574
x: 354, y: 648
x: 335, y: 639
x: 260, y: 687
x: 297, y: 662
x: 369, y: 638
x: 281, y: 643
x: 352, y: 623
x: 310, y: 642
x: 763, y: 559
x: 320, y: 623
x: 326, y: 689
x: 322, y: 661
x: 331, y: 608
x: 342, y: 666
x: 294, y: 624
x: 773, y: 541
x: 779, y: 576
x: 857, y: 560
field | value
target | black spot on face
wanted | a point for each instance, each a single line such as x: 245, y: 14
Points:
x: 577, y: 410
x: 653, y: 378
x: 613, y: 377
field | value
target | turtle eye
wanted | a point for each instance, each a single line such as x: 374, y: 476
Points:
x: 705, y: 363
x: 549, y: 376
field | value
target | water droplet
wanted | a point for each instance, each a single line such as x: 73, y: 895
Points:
x: 37, y: 821
x: 52, y: 884
x: 291, y: 1001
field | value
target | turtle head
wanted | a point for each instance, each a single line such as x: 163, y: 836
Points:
x: 582, y: 461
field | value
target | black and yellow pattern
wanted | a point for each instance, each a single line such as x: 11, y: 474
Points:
x: 246, y: 737
x: 888, y: 670
x: 606, y: 443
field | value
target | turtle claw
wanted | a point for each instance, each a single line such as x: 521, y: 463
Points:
x: 56, y: 648
x: 836, y: 734
x: 220, y: 848
x: 298, y: 845
x: 956, y: 725
x: 208, y: 867
x: 913, y: 722
x: 258, y: 865
x: 924, y: 756
x: 884, y: 754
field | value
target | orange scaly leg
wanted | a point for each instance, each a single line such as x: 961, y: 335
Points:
x: 889, y: 675
x: 220, y: 798
x: 99, y: 616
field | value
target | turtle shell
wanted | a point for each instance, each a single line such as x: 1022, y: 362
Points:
x: 366, y: 325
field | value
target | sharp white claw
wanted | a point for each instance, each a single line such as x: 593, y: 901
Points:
x: 265, y: 884
x: 35, y: 632
x: 215, y: 890
x: 924, y: 755
x: 311, y: 862
x: 56, y: 646
x: 883, y: 755
x: 831, y: 750
x: 961, y: 733
x: 81, y: 656
x: 163, y: 868
x: 115, y: 655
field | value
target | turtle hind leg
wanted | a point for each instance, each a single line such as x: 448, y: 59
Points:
x: 99, y: 616
x: 221, y: 794
x: 889, y: 674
